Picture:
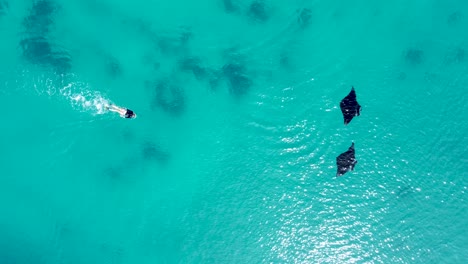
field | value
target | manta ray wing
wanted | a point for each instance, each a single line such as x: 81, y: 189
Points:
x: 346, y: 161
x: 350, y: 107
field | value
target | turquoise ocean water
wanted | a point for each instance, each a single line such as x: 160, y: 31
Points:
x: 232, y: 156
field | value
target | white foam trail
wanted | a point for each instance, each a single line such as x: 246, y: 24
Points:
x: 80, y: 95
x: 84, y: 99
x: 89, y: 102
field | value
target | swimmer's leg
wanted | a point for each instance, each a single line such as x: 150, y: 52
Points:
x: 112, y: 108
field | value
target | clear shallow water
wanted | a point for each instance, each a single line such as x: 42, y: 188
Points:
x: 216, y: 173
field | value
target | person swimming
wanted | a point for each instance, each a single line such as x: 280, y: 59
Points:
x: 124, y: 112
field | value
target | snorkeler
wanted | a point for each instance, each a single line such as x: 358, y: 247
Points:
x: 124, y: 112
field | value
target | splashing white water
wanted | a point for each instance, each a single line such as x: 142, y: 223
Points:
x: 90, y: 102
x: 80, y: 95
x: 83, y: 99
x: 96, y: 103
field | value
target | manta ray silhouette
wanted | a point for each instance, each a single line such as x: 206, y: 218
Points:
x: 350, y: 107
x: 346, y: 161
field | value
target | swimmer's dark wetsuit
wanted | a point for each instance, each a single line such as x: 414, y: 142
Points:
x: 129, y: 114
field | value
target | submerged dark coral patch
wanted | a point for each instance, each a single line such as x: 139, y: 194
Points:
x: 404, y: 191
x: 40, y: 19
x: 285, y: 60
x: 456, y: 55
x: 454, y: 18
x: 258, y: 11
x: 194, y: 65
x: 43, y: 8
x: 112, y: 173
x: 167, y: 96
x: 239, y: 83
x: 414, y: 56
x: 175, y: 42
x: 4, y: 6
x: 38, y: 50
x: 304, y: 17
x: 459, y: 55
x: 230, y: 6
x: 61, y: 62
x: 152, y: 152
x: 35, y: 46
x: 113, y: 67
x: 214, y: 79
x: 401, y: 76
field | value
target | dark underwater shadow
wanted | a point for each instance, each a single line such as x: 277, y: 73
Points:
x: 174, y: 43
x: 4, y: 6
x: 151, y: 62
x: 169, y: 43
x: 401, y: 76
x: 40, y: 18
x: 239, y: 84
x: 457, y: 55
x: 231, y: 6
x: 304, y: 17
x: 113, y: 173
x: 36, y: 47
x: 167, y: 96
x: 39, y: 51
x: 285, y: 60
x: 413, y: 56
x: 403, y: 191
x: 128, y: 134
x: 113, y: 67
x: 122, y: 172
x: 152, y: 152
x: 195, y: 66
x: 454, y: 18
x: 258, y: 11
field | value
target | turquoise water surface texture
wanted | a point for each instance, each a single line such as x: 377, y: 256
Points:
x: 232, y: 157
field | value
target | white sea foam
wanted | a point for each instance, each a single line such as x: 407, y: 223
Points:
x: 81, y: 95
x: 89, y: 101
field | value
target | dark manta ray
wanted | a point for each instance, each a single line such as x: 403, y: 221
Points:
x: 345, y: 161
x: 350, y: 107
